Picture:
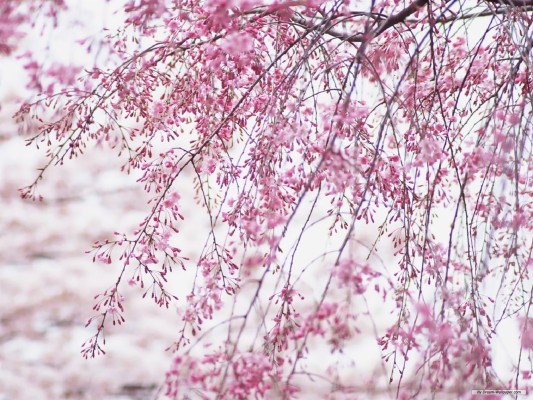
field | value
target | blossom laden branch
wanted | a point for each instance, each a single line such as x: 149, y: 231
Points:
x: 268, y: 113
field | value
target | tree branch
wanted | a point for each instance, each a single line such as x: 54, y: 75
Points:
x: 387, y: 22
x: 514, y: 3
x: 400, y: 17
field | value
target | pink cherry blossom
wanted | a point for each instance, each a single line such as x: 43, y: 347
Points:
x: 357, y: 170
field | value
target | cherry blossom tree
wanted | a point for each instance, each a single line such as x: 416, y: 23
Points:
x: 363, y: 169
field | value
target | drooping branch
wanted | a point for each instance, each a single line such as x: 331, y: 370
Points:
x: 259, y: 99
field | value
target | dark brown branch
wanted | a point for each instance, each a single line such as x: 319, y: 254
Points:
x: 491, y: 13
x: 514, y: 3
x: 387, y: 22
x: 400, y: 17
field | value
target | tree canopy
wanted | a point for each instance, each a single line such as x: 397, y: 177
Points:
x: 364, y: 169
